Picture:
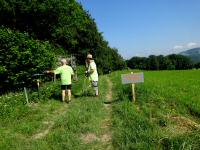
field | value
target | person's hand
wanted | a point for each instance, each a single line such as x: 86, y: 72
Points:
x: 47, y: 71
x: 87, y: 73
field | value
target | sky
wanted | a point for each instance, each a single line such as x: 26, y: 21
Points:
x: 147, y: 27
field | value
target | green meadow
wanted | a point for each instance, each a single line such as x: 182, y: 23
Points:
x: 166, y: 115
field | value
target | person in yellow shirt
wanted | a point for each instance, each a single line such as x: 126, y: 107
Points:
x: 92, y: 73
x: 66, y: 72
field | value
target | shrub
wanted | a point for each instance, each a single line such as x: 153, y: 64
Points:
x: 22, y: 56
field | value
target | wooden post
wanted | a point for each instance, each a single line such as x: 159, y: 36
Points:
x: 133, y: 91
x: 38, y: 83
x: 54, y: 77
x: 38, y: 86
x: 26, y: 95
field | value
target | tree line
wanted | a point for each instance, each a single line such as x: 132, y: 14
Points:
x: 170, y: 62
x: 32, y: 31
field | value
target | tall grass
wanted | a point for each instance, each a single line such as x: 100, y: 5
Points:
x: 165, y: 115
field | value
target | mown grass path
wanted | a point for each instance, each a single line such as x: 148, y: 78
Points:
x: 49, y: 123
x: 107, y: 124
x: 83, y: 124
x: 104, y: 139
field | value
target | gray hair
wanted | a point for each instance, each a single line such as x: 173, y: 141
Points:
x: 63, y: 61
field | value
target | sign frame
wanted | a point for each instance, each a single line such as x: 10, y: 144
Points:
x: 132, y: 78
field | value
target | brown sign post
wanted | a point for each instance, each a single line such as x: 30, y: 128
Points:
x: 133, y: 78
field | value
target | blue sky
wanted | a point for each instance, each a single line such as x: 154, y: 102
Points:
x: 145, y: 27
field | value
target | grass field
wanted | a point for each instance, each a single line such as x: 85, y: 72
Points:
x: 166, y: 115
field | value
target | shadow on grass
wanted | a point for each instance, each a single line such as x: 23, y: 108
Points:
x: 56, y: 97
x: 112, y: 102
x: 85, y: 93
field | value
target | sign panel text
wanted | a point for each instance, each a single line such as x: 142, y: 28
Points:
x: 133, y: 78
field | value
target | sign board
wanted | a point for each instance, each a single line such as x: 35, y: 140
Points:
x: 133, y: 78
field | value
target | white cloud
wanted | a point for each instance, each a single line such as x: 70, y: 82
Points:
x: 191, y: 45
x: 178, y: 47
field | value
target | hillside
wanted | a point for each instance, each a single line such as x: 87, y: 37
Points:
x: 194, y: 54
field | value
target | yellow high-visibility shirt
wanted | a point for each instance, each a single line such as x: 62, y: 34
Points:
x: 93, y: 76
x: 66, y: 73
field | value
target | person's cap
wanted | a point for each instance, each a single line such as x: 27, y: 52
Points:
x: 89, y: 56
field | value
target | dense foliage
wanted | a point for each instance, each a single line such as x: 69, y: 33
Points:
x: 170, y: 62
x: 22, y: 56
x: 65, y: 24
x: 197, y: 65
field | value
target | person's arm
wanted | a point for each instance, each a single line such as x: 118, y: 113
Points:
x: 88, y: 72
x: 57, y: 71
x: 50, y: 71
x: 92, y: 68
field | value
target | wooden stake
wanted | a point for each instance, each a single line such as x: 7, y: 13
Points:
x: 38, y: 86
x: 133, y: 91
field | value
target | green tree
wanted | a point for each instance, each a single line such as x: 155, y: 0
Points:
x: 170, y: 62
x: 197, y: 65
x: 64, y: 23
x: 153, y: 63
x: 21, y: 57
x: 180, y: 62
x: 138, y: 63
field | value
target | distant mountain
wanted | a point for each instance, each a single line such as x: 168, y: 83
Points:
x: 194, y: 54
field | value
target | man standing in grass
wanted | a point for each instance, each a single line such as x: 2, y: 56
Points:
x: 92, y: 73
x: 66, y: 73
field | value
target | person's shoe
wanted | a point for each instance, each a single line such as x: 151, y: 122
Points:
x: 68, y: 101
x: 96, y: 95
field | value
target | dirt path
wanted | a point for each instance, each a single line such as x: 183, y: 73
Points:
x: 109, y: 96
x: 106, y: 138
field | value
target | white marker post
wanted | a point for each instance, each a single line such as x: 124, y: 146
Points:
x: 133, y: 78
